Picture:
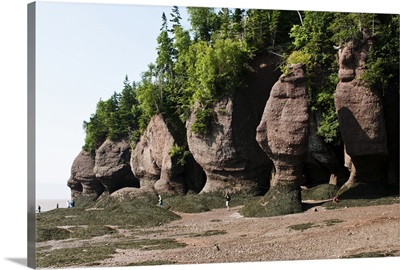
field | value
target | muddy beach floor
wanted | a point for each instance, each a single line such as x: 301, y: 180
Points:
x: 221, y: 236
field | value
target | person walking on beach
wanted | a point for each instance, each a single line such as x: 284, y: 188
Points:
x: 160, y: 201
x: 39, y: 208
x: 227, y: 201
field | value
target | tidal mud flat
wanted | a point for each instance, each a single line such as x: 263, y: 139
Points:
x: 221, y: 236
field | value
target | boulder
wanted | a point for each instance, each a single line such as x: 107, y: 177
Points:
x: 361, y: 117
x: 155, y: 162
x: 112, y: 165
x: 283, y: 133
x: 82, y: 171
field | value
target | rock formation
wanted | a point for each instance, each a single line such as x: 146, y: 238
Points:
x: 283, y: 134
x: 153, y: 161
x: 82, y: 171
x: 112, y: 166
x: 75, y: 186
x: 229, y: 154
x: 361, y: 117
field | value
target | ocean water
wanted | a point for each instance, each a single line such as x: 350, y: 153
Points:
x: 46, y: 205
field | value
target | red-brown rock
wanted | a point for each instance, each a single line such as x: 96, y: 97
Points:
x: 82, y: 171
x: 361, y: 117
x: 112, y: 166
x: 283, y: 134
x: 152, y: 161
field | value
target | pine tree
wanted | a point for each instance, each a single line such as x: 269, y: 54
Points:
x: 203, y: 22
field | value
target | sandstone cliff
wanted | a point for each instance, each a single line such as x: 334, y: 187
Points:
x: 248, y: 151
x: 155, y: 164
x: 229, y: 154
x: 112, y: 167
x: 361, y: 116
x: 82, y: 171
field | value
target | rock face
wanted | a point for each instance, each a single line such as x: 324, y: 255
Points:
x: 283, y: 134
x: 75, y: 186
x: 229, y: 154
x: 154, y: 163
x: 112, y: 167
x: 82, y: 171
x: 361, y: 117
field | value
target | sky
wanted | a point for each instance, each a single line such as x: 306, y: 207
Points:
x: 70, y: 83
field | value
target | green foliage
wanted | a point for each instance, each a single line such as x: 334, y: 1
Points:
x: 202, y: 123
x: 193, y: 74
x: 328, y: 127
x: 214, y: 71
x: 179, y: 153
x: 297, y: 57
x: 149, y: 97
x: 114, y: 118
x: 382, y: 68
x: 312, y: 41
x: 203, y: 22
x: 268, y: 29
x: 352, y: 27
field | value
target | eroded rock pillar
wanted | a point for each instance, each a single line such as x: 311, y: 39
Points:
x: 283, y: 134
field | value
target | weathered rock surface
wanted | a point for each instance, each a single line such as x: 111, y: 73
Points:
x: 361, y: 117
x: 82, y: 171
x: 283, y: 134
x: 229, y: 154
x: 153, y: 163
x: 75, y: 186
x: 112, y: 166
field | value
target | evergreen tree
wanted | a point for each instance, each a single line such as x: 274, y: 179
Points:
x: 203, y: 22
x: 312, y: 40
x: 149, y: 96
x: 164, y: 51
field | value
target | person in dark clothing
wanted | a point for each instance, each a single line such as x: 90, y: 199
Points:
x: 227, y: 201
